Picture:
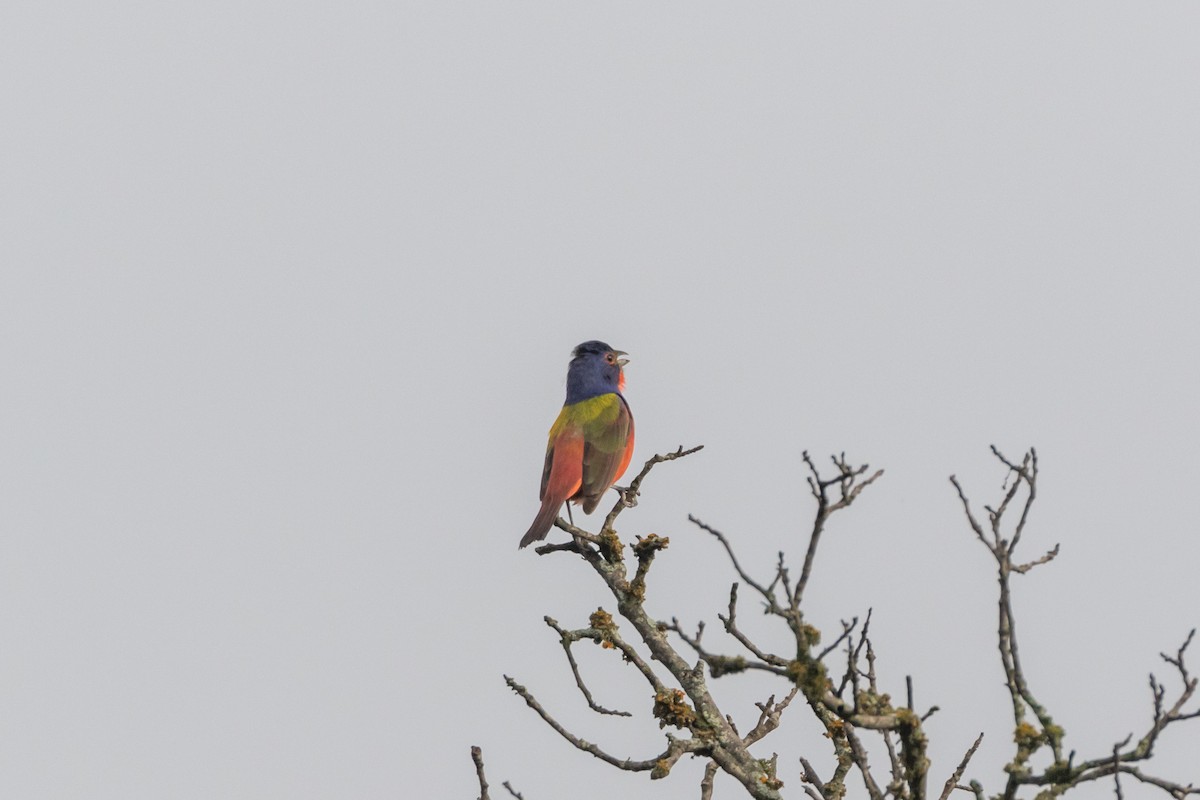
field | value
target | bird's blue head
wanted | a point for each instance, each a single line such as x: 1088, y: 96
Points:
x: 595, y: 370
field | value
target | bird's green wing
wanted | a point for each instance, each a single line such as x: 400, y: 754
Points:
x: 607, y: 429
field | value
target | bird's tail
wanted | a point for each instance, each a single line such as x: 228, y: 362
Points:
x: 542, y: 523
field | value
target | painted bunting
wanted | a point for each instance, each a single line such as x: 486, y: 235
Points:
x: 591, y: 442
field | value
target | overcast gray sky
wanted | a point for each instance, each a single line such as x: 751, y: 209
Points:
x: 289, y: 292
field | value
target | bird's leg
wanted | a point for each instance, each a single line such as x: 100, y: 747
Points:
x: 569, y: 518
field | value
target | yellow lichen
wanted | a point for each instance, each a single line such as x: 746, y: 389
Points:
x: 650, y: 544
x: 671, y: 708
x: 809, y: 675
x: 601, y: 620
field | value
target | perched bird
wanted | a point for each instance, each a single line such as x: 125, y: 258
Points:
x: 591, y: 442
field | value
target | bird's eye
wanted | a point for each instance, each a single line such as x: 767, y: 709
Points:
x: 610, y: 358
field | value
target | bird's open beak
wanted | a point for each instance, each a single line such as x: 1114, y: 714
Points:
x: 621, y: 361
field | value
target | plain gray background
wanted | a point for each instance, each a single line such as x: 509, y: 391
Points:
x: 289, y: 291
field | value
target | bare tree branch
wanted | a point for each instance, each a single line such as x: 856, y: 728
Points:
x: 852, y: 709
x: 850, y: 488
x: 1029, y: 739
x: 1062, y: 773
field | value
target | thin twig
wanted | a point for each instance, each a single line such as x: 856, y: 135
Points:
x: 813, y: 785
x: 767, y: 593
x: 720, y: 665
x: 629, y: 494
x: 730, y: 622
x: 477, y: 757
x: 847, y: 629
x: 859, y: 751
x: 956, y: 776
x: 850, y: 490
x: 706, y: 785
x: 675, y: 747
x: 769, y: 716
x: 567, y: 638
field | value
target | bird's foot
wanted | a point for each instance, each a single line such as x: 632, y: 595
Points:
x: 628, y: 496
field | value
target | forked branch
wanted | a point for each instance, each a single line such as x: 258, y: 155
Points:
x: 1062, y: 773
